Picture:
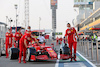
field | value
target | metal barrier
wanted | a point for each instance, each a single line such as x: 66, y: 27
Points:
x: 97, y: 54
x: 86, y: 48
x: 92, y: 51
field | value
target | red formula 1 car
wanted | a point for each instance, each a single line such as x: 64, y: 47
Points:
x: 34, y: 53
x: 65, y: 53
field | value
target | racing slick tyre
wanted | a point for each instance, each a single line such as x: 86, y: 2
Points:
x: 13, y: 53
x: 66, y: 50
x: 30, y: 51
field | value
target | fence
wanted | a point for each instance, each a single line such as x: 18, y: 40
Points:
x: 89, y: 49
x: 3, y: 30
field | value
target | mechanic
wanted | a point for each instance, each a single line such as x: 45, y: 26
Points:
x: 57, y: 40
x: 23, y: 44
x: 70, y: 39
x: 8, y: 41
x: 41, y: 39
x: 17, y: 37
x: 28, y: 31
x: 60, y: 40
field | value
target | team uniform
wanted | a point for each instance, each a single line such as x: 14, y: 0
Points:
x: 17, y: 38
x: 8, y: 42
x: 27, y: 32
x: 57, y: 40
x: 22, y: 46
x: 70, y: 33
x: 60, y: 40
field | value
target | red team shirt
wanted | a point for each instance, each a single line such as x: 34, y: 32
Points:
x: 71, y: 34
x: 9, y: 38
x: 18, y: 36
x: 27, y: 37
x: 27, y: 32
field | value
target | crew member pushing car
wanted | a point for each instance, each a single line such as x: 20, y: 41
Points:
x: 70, y: 38
x: 28, y: 31
x: 8, y: 41
x: 24, y: 41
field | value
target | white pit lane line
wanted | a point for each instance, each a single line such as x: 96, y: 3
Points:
x: 57, y: 62
x: 87, y: 60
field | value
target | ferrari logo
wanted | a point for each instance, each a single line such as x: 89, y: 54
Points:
x: 19, y: 34
x: 71, y: 30
x: 9, y: 34
x: 29, y: 32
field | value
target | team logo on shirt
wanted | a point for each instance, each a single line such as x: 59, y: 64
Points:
x: 17, y: 35
x: 29, y: 32
x: 69, y: 32
x: 9, y: 34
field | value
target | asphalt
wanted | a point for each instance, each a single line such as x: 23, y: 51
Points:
x: 14, y: 63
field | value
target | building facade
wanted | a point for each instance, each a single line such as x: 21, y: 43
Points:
x: 86, y: 9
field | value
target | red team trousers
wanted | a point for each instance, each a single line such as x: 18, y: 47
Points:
x: 8, y: 46
x: 74, y: 45
x: 22, y: 49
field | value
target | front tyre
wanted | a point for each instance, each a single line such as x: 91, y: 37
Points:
x: 28, y: 55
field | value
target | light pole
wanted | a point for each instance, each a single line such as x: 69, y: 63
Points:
x: 6, y: 19
x: 39, y: 24
x: 16, y: 6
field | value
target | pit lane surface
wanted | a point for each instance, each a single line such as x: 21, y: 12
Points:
x: 14, y: 63
x: 81, y: 62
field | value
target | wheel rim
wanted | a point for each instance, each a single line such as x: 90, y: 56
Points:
x: 28, y: 55
x: 10, y: 52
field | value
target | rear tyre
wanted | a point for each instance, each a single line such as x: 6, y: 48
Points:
x: 13, y: 53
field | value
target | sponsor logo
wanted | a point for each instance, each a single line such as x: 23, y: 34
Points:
x: 51, y: 51
x: 9, y: 34
x: 49, y: 48
x: 69, y: 31
x: 17, y: 35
